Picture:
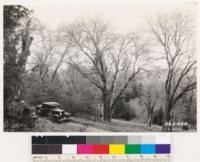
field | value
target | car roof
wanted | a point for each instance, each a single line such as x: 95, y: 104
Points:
x: 51, y: 103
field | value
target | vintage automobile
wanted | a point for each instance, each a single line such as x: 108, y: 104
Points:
x: 53, y: 111
x: 58, y: 115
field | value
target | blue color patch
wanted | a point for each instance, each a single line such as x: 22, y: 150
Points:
x: 147, y: 149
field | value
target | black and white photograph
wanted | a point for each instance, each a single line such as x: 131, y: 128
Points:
x: 100, y: 68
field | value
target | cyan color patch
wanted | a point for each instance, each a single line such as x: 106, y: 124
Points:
x: 147, y: 149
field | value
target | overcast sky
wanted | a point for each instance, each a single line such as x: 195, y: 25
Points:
x: 124, y: 18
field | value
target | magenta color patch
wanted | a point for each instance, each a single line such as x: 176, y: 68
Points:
x: 84, y: 149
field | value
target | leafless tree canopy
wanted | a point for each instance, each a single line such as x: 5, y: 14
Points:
x: 102, y: 56
x: 175, y: 34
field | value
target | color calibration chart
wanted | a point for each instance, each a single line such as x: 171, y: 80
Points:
x: 101, y: 148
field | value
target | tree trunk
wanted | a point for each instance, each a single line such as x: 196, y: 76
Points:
x: 166, y: 117
x: 106, y: 113
x: 171, y: 121
x: 54, y: 74
x: 149, y: 123
x: 21, y: 61
x: 106, y: 107
x: 150, y: 116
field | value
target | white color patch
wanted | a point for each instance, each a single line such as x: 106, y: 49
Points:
x: 163, y: 139
x: 69, y: 149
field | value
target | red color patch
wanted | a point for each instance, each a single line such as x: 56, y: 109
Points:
x: 101, y: 149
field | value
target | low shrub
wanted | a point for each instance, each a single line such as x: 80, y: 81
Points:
x: 19, y: 116
x: 123, y: 110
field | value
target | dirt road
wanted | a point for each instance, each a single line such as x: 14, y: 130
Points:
x: 85, y: 125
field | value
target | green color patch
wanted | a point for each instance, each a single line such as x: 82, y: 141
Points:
x: 132, y: 149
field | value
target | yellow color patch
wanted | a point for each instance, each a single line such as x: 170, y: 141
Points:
x: 116, y: 149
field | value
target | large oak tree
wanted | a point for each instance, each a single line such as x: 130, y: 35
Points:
x: 103, y: 57
x: 175, y: 35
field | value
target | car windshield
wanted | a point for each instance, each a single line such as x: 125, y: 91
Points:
x: 51, y: 104
x: 57, y: 110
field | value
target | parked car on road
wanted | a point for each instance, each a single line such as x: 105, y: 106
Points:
x: 59, y: 115
x: 53, y: 111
